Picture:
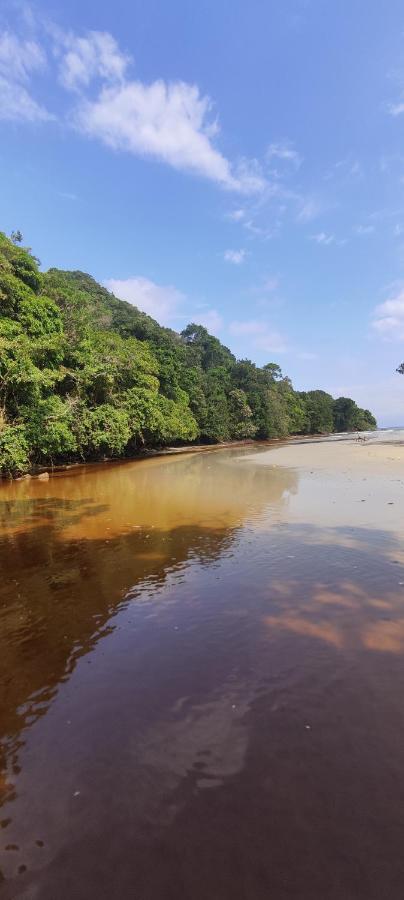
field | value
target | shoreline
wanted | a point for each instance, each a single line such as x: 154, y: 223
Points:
x: 271, y: 444
x: 45, y: 472
x: 62, y: 468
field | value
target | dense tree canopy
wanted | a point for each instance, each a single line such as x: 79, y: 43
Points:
x: 84, y: 375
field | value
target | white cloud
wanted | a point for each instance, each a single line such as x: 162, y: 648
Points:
x: 172, y: 122
x: 211, y: 319
x: 18, y: 60
x: 345, y: 169
x: 256, y: 230
x: 388, y: 321
x: 248, y: 327
x: 307, y: 356
x: 265, y: 214
x: 396, y: 109
x: 284, y: 151
x: 159, y: 301
x: 363, y: 230
x: 165, y: 303
x: 236, y: 215
x: 271, y: 283
x: 235, y: 256
x: 68, y: 195
x: 168, y: 121
x: 384, y: 396
x: 271, y: 342
x: 265, y: 293
x: 323, y: 238
x: 248, y: 177
x: 356, y: 169
x: 17, y: 105
x: 85, y: 58
x: 310, y: 208
x: 261, y: 335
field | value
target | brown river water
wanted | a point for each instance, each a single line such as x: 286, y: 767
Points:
x: 202, y: 682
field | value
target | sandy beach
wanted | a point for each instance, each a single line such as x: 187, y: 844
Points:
x: 343, y: 485
x: 336, y: 456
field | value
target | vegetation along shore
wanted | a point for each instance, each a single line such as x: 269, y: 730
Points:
x: 85, y: 376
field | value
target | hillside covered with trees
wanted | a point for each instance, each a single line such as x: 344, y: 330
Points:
x: 85, y: 376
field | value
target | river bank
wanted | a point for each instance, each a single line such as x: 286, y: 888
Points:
x: 44, y: 472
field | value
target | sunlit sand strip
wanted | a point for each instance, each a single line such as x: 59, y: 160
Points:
x: 346, y: 456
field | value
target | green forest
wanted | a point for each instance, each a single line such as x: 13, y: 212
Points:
x: 85, y: 376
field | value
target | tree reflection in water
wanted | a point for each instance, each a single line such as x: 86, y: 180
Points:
x: 200, y: 696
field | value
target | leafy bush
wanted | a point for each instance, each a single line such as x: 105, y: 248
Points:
x: 103, y: 431
x: 14, y: 450
x: 49, y: 430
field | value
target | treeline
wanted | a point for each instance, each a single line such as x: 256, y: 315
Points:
x: 85, y: 376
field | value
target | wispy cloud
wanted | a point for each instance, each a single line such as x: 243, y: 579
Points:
x: 388, y: 319
x: 391, y: 163
x: 284, y: 151
x: 325, y: 239
x: 17, y: 105
x: 266, y: 293
x: 309, y: 208
x: 247, y: 177
x: 210, y: 318
x: 282, y: 200
x: 235, y: 256
x: 306, y: 356
x: 260, y: 334
x: 345, y: 170
x: 19, y: 60
x: 322, y: 238
x: 364, y: 230
x: 165, y: 303
x: 162, y: 302
x: 236, y: 215
x: 264, y: 216
x: 396, y: 109
x: 82, y: 59
x: 168, y: 121
x: 68, y: 195
x: 270, y: 284
x: 172, y: 122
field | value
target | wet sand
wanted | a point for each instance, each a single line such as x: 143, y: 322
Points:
x: 339, y: 455
x: 201, y: 678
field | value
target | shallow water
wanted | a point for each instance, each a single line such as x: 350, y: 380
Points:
x: 201, y: 682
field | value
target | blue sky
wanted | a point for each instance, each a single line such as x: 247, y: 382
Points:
x: 238, y: 164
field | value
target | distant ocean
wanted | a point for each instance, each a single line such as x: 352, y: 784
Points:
x: 382, y: 435
x: 386, y: 434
